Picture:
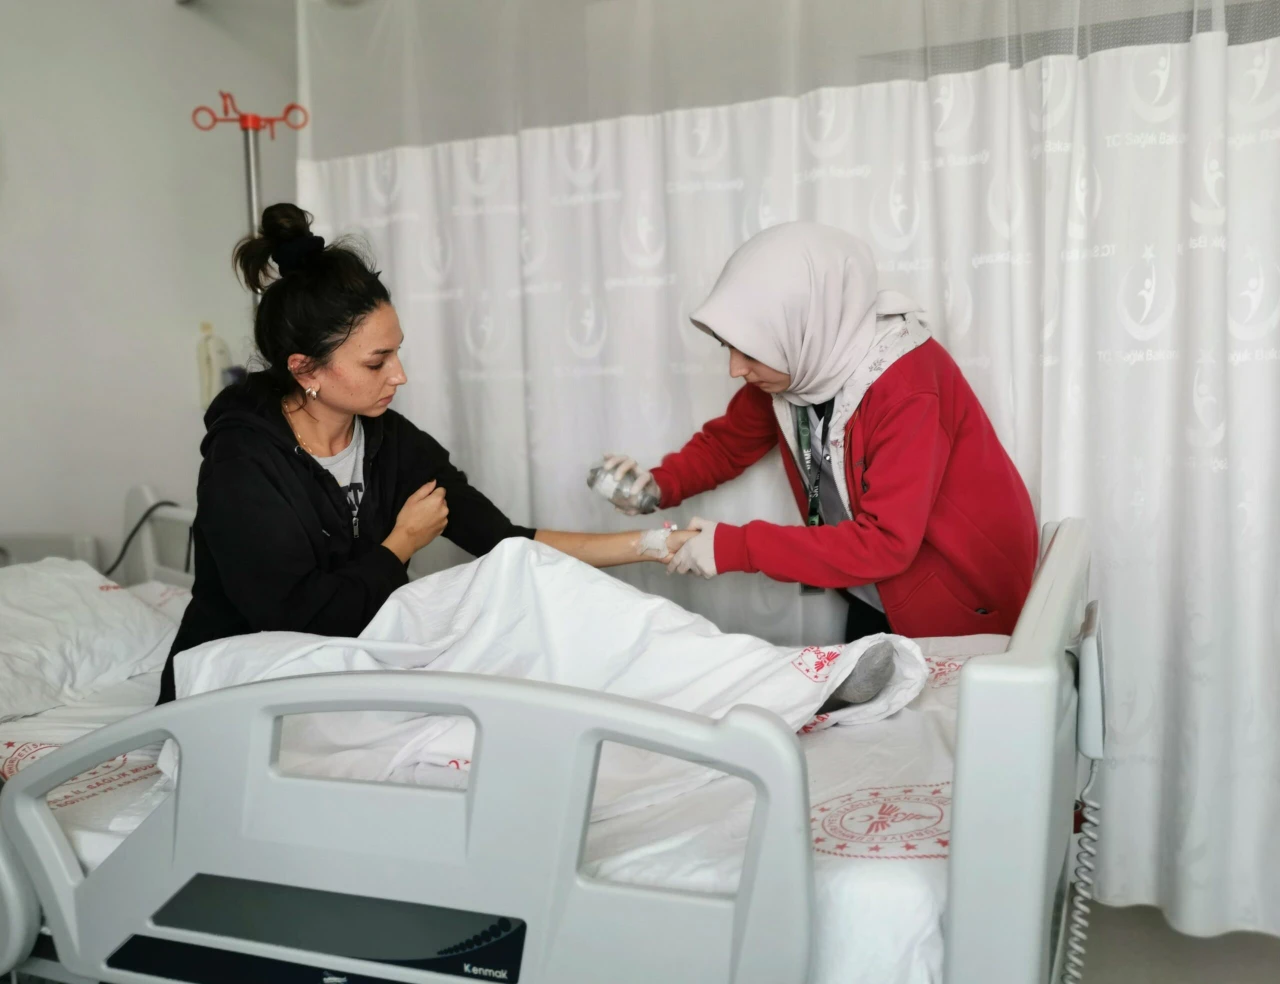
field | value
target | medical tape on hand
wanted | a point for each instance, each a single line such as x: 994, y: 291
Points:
x: 653, y: 543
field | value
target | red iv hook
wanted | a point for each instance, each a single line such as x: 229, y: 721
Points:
x: 294, y: 116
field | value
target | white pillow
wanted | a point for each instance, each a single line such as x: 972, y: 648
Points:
x: 67, y: 632
x: 169, y: 599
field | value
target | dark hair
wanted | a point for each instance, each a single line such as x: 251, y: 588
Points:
x: 319, y: 295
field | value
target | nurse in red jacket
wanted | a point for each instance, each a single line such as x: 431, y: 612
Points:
x: 910, y: 505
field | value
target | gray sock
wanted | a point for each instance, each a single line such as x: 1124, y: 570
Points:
x: 870, y: 676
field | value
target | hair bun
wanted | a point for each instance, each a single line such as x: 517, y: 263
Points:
x: 283, y: 238
x: 283, y: 222
x: 293, y: 253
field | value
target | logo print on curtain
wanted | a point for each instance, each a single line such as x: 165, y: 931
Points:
x: 895, y: 214
x: 480, y: 166
x: 761, y: 210
x: 957, y: 302
x: 579, y: 157
x: 435, y: 253
x: 533, y: 261
x: 1056, y: 85
x: 1253, y: 289
x: 1086, y: 199
x: 1255, y: 94
x: 702, y: 138
x: 1005, y: 208
x: 643, y: 243
x: 386, y: 181
x: 1250, y: 508
x: 827, y: 123
x: 586, y: 327
x: 1147, y: 298
x: 1152, y: 91
x: 533, y: 250
x: 1206, y: 203
x: 954, y: 102
x: 1211, y: 421
x: 1134, y: 502
x: 482, y: 333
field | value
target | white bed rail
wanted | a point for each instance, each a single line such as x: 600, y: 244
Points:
x: 1015, y: 782
x: 511, y: 843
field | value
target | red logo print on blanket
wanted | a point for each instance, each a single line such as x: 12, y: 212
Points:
x: 944, y: 671
x: 815, y: 662
x: 111, y: 774
x: 19, y: 756
x: 885, y: 822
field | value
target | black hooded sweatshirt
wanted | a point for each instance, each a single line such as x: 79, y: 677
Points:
x: 276, y: 545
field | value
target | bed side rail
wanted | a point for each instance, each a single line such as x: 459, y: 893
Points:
x: 1015, y: 781
x: 19, y: 908
x: 509, y: 844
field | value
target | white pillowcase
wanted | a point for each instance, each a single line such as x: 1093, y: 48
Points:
x: 67, y: 632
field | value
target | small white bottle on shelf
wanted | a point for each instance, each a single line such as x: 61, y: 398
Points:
x: 213, y: 359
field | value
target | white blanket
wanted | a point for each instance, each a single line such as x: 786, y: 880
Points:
x: 530, y: 612
x: 67, y: 632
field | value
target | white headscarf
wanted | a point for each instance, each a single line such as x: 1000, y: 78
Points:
x: 803, y: 299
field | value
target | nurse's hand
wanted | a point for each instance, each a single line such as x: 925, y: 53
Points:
x: 698, y: 554
x: 620, y: 466
x: 676, y: 541
x: 422, y: 518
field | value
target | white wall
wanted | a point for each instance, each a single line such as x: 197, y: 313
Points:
x: 117, y: 220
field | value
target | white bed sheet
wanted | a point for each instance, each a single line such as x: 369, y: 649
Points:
x: 101, y: 807
x: 880, y: 816
x: 881, y: 812
x: 98, y: 809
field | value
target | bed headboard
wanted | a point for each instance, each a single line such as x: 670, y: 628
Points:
x: 160, y: 550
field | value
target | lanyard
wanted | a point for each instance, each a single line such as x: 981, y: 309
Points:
x: 812, y: 469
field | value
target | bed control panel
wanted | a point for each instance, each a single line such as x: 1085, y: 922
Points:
x: 318, y: 925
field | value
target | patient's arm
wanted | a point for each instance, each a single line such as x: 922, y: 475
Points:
x: 609, y: 549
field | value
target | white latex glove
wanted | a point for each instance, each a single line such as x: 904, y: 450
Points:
x: 698, y: 555
x: 620, y: 465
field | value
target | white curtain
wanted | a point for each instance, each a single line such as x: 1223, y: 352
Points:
x: 1085, y: 196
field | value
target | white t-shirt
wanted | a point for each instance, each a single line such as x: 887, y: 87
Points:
x: 347, y: 466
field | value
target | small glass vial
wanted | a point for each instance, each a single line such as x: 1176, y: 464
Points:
x: 621, y: 491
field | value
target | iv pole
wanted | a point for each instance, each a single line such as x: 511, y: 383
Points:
x: 294, y: 116
x: 213, y: 353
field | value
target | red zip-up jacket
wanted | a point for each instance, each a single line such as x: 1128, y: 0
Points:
x: 942, y: 521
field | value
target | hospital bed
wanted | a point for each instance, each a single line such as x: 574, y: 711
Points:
x: 242, y: 873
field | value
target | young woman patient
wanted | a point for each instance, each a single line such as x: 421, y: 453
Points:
x: 314, y: 494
